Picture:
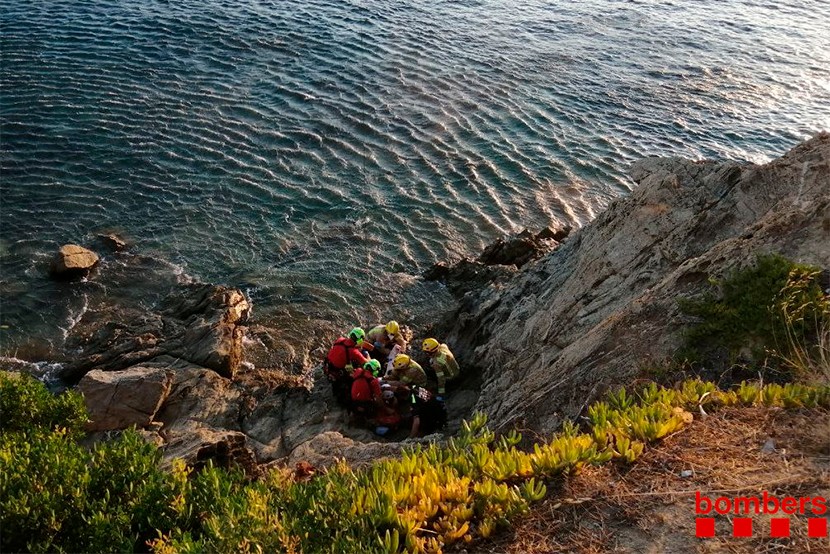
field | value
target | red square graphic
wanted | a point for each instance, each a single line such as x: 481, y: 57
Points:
x: 742, y: 527
x: 705, y: 527
x: 817, y: 527
x: 779, y: 527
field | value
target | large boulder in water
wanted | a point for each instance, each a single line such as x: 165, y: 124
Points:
x: 72, y: 262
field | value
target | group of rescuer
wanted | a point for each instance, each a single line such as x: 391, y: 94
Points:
x: 373, y: 377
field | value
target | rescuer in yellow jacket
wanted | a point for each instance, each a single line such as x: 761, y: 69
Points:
x: 384, y: 338
x: 407, y: 371
x: 442, y: 362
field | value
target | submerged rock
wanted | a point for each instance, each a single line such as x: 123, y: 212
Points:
x: 73, y: 262
x: 113, y: 242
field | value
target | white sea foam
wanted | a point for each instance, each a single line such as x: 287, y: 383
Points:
x: 45, y: 371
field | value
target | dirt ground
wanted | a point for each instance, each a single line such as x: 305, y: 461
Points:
x: 649, y: 507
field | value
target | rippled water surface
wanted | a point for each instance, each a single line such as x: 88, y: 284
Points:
x: 313, y: 151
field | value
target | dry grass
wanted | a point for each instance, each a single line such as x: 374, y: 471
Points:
x: 649, y: 507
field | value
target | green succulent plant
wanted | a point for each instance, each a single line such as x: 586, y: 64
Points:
x: 58, y: 496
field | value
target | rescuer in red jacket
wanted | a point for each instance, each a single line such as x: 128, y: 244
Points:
x: 342, y: 358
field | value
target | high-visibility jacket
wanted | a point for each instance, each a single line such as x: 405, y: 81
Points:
x: 378, y: 336
x: 445, y: 366
x: 413, y: 374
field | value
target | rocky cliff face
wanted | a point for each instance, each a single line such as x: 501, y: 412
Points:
x: 591, y: 313
x: 543, y: 327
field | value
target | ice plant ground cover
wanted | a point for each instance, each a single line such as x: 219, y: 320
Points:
x: 60, y: 496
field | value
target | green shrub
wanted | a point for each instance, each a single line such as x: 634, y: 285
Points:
x: 743, y: 319
x: 43, y: 480
x: 25, y: 405
x: 57, y: 496
x: 43, y: 471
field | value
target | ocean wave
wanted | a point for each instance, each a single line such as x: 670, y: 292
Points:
x: 316, y: 146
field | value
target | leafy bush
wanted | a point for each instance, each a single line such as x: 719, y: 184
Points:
x: 43, y: 480
x: 26, y: 405
x: 57, y: 496
x: 755, y: 315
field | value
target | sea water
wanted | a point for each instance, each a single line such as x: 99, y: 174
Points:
x: 321, y: 154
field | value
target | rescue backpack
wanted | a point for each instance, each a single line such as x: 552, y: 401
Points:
x: 363, y: 379
x: 332, y: 372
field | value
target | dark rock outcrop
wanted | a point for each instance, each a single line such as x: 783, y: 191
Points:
x: 466, y: 275
x: 524, y: 247
x: 73, y: 262
x: 198, y: 323
x: 498, y: 262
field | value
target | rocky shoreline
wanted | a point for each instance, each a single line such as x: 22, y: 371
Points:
x: 544, y: 322
x: 594, y: 312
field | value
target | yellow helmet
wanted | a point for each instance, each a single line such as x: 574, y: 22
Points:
x: 393, y: 328
x: 400, y: 361
x: 430, y: 345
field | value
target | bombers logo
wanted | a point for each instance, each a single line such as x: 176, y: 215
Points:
x: 813, y: 507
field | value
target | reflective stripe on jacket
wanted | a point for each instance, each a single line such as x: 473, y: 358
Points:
x: 414, y: 374
x: 445, y: 366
